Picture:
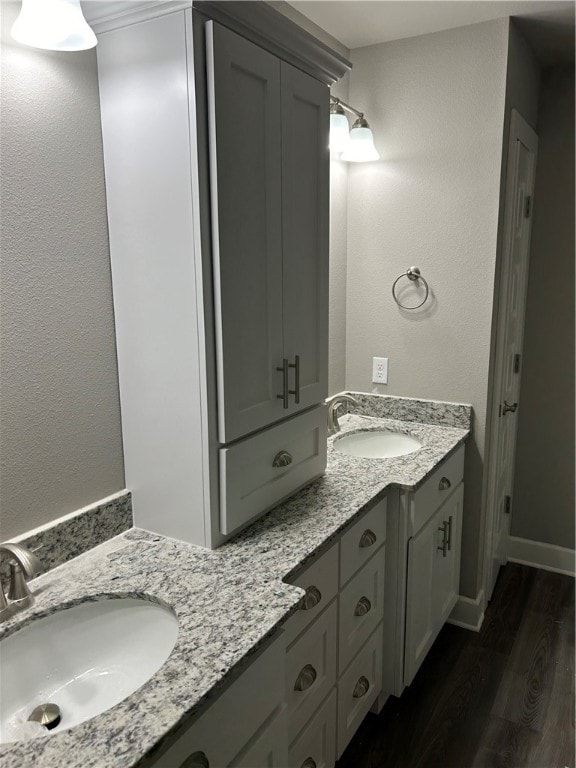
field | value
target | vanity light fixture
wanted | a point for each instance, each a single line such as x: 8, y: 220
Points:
x: 55, y: 25
x: 356, y: 146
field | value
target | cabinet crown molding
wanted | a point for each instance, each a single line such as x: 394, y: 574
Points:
x: 263, y: 25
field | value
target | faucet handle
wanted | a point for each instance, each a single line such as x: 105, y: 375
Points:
x: 29, y: 563
x: 19, y: 591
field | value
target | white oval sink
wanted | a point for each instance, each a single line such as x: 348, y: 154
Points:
x: 85, y: 659
x: 377, y: 444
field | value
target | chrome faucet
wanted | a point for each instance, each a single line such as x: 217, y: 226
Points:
x: 333, y: 404
x: 25, y: 567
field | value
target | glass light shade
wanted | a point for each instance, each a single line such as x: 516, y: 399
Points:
x: 339, y: 130
x: 55, y: 25
x: 360, y: 147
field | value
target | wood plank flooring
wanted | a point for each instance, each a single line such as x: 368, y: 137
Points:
x: 499, y: 698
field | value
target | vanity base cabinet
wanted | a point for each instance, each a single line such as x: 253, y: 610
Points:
x: 252, y: 714
x: 344, y: 637
x: 316, y: 745
x: 433, y: 580
x: 358, y: 688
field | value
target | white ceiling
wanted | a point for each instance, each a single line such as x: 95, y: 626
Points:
x: 357, y: 23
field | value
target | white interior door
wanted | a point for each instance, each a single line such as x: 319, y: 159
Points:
x: 511, y: 310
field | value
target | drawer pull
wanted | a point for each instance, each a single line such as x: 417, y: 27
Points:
x: 444, y: 484
x: 196, y: 760
x: 309, y: 763
x: 361, y: 688
x: 363, y: 606
x: 306, y: 678
x: 450, y: 533
x: 282, y: 459
x: 311, y: 599
x: 367, y: 539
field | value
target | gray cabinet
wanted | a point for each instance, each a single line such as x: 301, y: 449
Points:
x: 268, y: 125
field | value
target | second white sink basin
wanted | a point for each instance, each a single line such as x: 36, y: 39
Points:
x: 377, y: 444
x: 85, y: 659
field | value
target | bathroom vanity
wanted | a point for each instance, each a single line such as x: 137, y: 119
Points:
x: 290, y: 632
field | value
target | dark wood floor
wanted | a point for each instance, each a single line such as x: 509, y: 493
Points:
x: 500, y: 698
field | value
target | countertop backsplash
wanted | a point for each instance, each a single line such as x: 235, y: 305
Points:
x: 412, y: 409
x: 78, y: 532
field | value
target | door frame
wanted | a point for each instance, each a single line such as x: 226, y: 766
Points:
x: 519, y: 131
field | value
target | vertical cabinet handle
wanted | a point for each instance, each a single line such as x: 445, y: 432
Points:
x: 196, y: 760
x: 450, y: 533
x: 361, y: 688
x: 444, y: 545
x: 306, y: 678
x: 444, y: 484
x: 284, y: 371
x: 363, y: 606
x: 311, y: 599
x: 309, y: 763
x: 296, y: 390
x: 367, y: 539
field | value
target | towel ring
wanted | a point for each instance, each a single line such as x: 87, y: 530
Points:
x: 413, y: 273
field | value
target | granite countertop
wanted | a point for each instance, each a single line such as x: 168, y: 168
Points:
x: 228, y: 601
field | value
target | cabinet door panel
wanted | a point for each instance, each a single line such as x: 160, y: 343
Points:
x: 305, y: 190
x: 433, y: 580
x: 447, y: 576
x: 245, y: 168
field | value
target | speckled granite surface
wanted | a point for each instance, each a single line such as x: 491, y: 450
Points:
x: 411, y: 409
x: 227, y: 601
x: 75, y: 534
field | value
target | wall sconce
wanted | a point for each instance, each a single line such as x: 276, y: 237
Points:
x: 55, y: 25
x: 357, y: 146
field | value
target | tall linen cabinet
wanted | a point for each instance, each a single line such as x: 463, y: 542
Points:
x: 215, y: 133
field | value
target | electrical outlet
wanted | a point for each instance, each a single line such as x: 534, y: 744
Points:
x: 380, y: 370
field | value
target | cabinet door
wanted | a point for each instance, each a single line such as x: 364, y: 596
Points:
x: 305, y: 192
x: 447, y: 573
x: 433, y: 580
x: 245, y: 180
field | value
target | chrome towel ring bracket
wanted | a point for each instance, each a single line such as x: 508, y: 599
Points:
x: 413, y: 274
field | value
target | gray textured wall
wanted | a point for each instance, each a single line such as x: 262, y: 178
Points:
x: 436, y: 105
x: 60, y: 440
x: 544, y: 480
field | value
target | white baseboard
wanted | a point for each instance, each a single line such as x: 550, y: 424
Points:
x: 537, y: 554
x: 469, y: 613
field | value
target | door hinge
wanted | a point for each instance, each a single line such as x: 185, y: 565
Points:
x: 516, y: 363
x: 527, y: 206
x: 508, y: 504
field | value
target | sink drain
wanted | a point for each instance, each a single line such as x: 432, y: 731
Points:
x: 47, y: 715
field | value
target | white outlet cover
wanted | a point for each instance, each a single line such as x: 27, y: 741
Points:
x: 380, y: 370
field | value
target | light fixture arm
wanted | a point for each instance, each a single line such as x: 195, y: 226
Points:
x: 335, y: 100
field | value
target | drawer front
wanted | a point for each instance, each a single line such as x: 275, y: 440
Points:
x: 244, y: 707
x: 361, y: 608
x: 320, y: 580
x: 316, y: 745
x: 269, y: 748
x: 362, y: 540
x: 260, y: 471
x: 311, y: 670
x: 441, y: 483
x: 358, y: 688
